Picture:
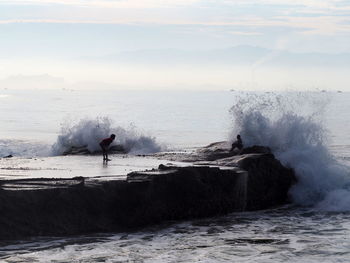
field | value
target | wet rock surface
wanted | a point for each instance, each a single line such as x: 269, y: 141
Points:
x: 217, y: 183
x: 79, y: 150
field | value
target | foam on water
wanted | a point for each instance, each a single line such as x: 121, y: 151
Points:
x: 89, y: 132
x: 291, y: 125
x: 276, y: 235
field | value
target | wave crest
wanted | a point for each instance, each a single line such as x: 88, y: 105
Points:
x: 291, y: 124
x: 89, y: 132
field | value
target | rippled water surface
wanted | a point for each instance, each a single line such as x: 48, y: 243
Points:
x: 283, y: 235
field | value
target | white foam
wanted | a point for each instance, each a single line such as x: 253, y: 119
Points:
x: 291, y: 125
x: 89, y: 132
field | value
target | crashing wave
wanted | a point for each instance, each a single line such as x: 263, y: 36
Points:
x: 89, y: 132
x: 291, y: 125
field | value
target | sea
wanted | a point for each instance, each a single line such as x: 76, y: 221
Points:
x: 308, y: 131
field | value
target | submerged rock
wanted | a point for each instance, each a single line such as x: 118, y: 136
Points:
x: 77, y: 150
x: 83, y: 150
x: 208, y: 187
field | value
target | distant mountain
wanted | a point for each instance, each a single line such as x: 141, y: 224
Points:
x: 32, y: 81
x: 240, y: 55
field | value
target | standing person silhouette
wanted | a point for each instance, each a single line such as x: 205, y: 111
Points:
x: 237, y: 144
x: 104, y: 146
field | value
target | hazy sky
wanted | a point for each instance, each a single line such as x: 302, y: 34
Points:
x: 64, y: 38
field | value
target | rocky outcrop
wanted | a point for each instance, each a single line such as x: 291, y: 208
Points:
x: 143, y: 199
x: 268, y: 180
x: 212, y: 152
x: 256, y: 149
x: 80, y: 205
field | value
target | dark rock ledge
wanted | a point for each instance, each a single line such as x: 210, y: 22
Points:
x: 209, y: 187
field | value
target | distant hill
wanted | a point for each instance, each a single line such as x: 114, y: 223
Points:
x: 32, y: 81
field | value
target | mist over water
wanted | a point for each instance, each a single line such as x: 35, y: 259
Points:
x: 292, y: 125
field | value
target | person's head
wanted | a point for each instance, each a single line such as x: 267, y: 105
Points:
x: 238, y: 136
x: 113, y: 136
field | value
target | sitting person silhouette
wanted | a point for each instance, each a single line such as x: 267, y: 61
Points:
x: 237, y: 144
x: 104, y: 146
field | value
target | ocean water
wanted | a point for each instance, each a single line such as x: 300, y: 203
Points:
x: 175, y: 119
x: 308, y: 131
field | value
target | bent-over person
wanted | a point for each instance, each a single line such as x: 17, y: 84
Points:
x: 104, y: 146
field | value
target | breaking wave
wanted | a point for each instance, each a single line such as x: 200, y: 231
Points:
x: 291, y: 124
x: 89, y: 132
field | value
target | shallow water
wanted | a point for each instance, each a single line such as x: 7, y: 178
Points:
x: 286, y: 234
x: 74, y: 166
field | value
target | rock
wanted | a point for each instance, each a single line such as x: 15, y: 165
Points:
x: 117, y: 149
x: 83, y: 150
x: 8, y: 156
x: 268, y: 181
x: 255, y: 149
x: 221, y: 150
x: 81, y: 205
x: 77, y: 150
x: 212, y: 152
x: 144, y: 198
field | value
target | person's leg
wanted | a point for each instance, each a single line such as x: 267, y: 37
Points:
x: 103, y: 151
x: 107, y: 155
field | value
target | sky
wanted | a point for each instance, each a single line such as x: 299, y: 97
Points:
x: 195, y: 43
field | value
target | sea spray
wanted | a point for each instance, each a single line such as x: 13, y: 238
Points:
x: 89, y: 132
x: 291, y: 124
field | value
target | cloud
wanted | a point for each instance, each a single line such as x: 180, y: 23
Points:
x: 245, y: 33
x: 311, y: 5
x: 325, y: 25
x: 326, y: 17
x: 107, y: 4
